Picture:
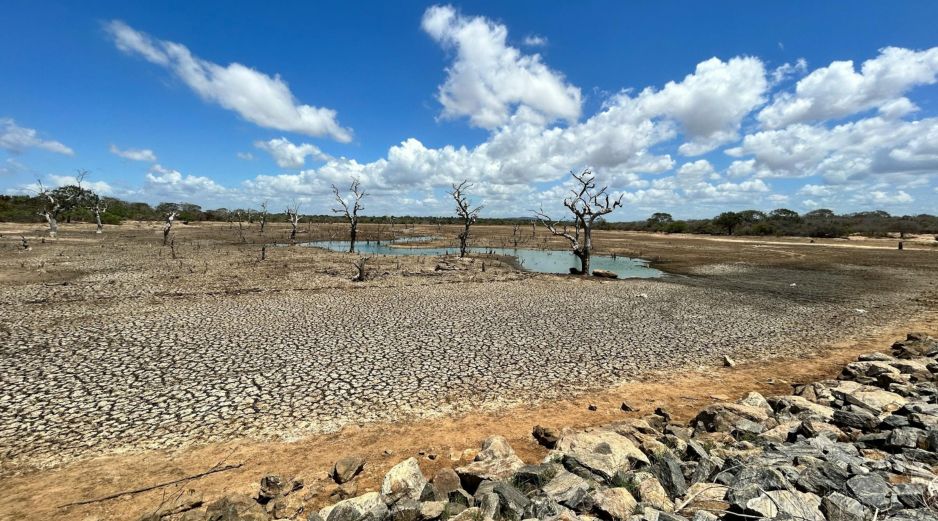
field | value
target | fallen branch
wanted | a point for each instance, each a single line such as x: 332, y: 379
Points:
x: 151, y: 487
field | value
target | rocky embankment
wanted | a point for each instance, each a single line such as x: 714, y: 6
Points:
x: 863, y: 447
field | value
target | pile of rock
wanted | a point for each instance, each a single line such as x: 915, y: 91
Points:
x: 863, y: 447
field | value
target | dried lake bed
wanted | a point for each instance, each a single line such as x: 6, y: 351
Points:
x: 114, y: 346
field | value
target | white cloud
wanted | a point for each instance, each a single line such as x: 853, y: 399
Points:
x: 816, y: 190
x: 880, y: 197
x: 838, y: 90
x: 489, y: 78
x: 536, y: 135
x: 16, y: 139
x: 741, y: 168
x: 711, y: 102
x: 246, y: 156
x: 288, y: 155
x: 787, y: 70
x: 11, y: 166
x: 141, y: 154
x: 535, y: 40
x: 902, y: 151
x: 98, y: 187
x: 171, y: 183
x: 261, y: 99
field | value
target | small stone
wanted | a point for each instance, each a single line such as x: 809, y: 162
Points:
x: 272, y: 486
x: 432, y: 509
x: 728, y: 362
x: 546, y: 436
x: 347, y: 468
x: 664, y: 413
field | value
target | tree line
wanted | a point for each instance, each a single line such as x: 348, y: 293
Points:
x: 820, y: 223
x: 78, y: 203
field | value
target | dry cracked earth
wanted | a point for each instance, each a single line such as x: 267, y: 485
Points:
x: 111, y: 361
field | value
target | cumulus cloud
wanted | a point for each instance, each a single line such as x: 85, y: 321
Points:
x: 98, y: 187
x: 787, y: 70
x: 16, y: 139
x: 167, y: 182
x: 288, y: 155
x: 257, y: 97
x: 902, y: 151
x: 883, y: 198
x: 489, y: 80
x: 838, y: 90
x: 134, y: 154
x: 711, y: 102
x: 537, y: 134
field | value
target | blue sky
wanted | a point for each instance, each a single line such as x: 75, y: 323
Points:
x: 687, y: 107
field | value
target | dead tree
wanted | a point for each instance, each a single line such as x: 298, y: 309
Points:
x: 51, y: 210
x: 351, y: 213
x: 60, y: 200
x: 586, y: 204
x: 168, y: 226
x: 466, y: 213
x: 516, y: 237
x: 239, y: 215
x: 98, y: 206
x: 359, y: 270
x: 263, y: 216
x: 293, y: 215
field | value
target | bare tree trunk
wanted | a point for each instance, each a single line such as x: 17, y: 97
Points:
x: 584, y: 262
x: 53, y: 224
x: 168, y: 227
x: 360, y: 270
x: 466, y: 213
x: 263, y: 216
x: 350, y: 211
x: 587, y: 205
x: 97, y: 218
x: 463, y: 241
x: 586, y: 250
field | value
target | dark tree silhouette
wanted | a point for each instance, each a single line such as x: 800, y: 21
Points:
x: 466, y: 213
x: 350, y: 211
x: 587, y: 204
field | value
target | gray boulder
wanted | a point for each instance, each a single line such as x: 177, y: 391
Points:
x: 496, y: 461
x: 871, y: 490
x: 404, y: 480
x: 838, y: 507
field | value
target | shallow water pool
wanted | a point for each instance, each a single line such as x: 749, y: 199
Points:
x: 541, y: 261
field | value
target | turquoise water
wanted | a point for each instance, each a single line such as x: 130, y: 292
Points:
x: 541, y: 261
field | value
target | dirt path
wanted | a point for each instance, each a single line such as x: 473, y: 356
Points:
x: 449, y: 439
